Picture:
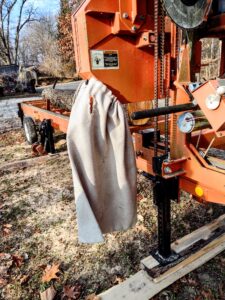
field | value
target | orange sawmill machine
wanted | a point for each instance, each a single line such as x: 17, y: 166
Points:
x: 150, y: 50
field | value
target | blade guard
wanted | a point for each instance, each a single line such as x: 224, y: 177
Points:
x: 188, y: 14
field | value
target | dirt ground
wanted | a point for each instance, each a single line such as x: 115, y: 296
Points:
x: 38, y: 229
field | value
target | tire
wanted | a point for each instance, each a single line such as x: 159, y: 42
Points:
x: 30, y: 131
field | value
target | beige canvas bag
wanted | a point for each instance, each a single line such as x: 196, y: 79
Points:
x: 103, y: 163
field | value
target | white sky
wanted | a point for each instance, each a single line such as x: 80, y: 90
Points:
x: 46, y: 6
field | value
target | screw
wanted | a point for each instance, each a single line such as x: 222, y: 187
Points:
x: 125, y: 15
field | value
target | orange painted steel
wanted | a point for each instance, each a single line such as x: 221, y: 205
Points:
x: 38, y: 112
x: 125, y: 28
x: 197, y: 171
x: 215, y: 116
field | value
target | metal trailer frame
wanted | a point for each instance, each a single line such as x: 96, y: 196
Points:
x: 40, y: 110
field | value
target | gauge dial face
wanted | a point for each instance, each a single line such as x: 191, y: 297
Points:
x: 212, y: 101
x: 186, y: 122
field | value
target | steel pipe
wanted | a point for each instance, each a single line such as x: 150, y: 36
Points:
x: 162, y: 111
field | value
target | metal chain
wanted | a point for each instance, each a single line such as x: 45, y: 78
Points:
x: 173, y: 148
x: 163, y: 66
x: 167, y: 125
x: 178, y: 42
x: 162, y: 53
x: 167, y: 95
x: 156, y: 75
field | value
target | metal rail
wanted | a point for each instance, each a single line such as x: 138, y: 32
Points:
x: 162, y: 111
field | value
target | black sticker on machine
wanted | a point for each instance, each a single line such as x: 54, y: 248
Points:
x: 111, y: 59
x: 104, y: 59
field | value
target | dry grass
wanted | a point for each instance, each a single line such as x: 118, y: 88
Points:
x: 38, y: 202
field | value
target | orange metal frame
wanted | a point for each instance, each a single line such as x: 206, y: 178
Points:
x: 40, y: 110
x: 128, y: 27
x: 125, y: 27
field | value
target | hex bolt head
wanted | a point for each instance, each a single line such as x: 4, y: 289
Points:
x: 167, y: 170
x: 134, y: 28
x: 125, y: 15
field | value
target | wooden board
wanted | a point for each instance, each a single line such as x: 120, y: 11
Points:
x: 143, y: 287
x: 29, y: 162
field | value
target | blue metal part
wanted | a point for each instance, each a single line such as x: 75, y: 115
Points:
x: 221, y: 6
x: 194, y: 85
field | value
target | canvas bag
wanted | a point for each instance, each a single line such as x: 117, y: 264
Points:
x: 103, y: 163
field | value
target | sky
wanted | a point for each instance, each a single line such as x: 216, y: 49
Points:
x: 46, y: 6
x: 42, y: 6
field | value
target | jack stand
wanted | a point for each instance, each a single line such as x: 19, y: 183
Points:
x: 46, y: 133
x: 164, y: 191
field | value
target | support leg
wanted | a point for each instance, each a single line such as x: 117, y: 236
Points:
x: 164, y: 192
x: 164, y: 227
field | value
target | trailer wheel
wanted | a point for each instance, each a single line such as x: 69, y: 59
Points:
x: 30, y: 130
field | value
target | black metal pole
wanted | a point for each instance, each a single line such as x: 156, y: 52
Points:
x: 162, y: 198
x: 164, y: 227
x: 165, y: 190
x: 149, y: 113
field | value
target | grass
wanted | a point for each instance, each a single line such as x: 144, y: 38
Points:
x: 38, y: 202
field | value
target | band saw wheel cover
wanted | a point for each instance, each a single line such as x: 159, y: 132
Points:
x: 188, y: 14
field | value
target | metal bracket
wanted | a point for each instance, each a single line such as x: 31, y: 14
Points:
x: 173, y: 168
x: 157, y: 163
x: 46, y: 134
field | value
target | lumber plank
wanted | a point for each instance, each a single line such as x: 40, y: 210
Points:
x: 205, y: 251
x: 202, y: 233
x: 143, y: 287
x: 149, y: 263
x: 217, y: 162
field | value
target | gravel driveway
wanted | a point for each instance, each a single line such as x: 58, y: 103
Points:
x: 8, y: 113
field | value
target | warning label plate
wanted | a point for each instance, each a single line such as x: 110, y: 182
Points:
x: 104, y: 59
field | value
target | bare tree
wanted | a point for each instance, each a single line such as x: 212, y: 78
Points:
x: 39, y: 46
x: 11, y: 25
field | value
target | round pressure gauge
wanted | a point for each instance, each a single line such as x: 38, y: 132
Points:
x: 212, y: 101
x: 186, y: 122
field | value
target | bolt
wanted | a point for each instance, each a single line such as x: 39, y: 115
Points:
x: 125, y: 15
x: 167, y: 170
x: 139, y: 153
x: 134, y: 28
